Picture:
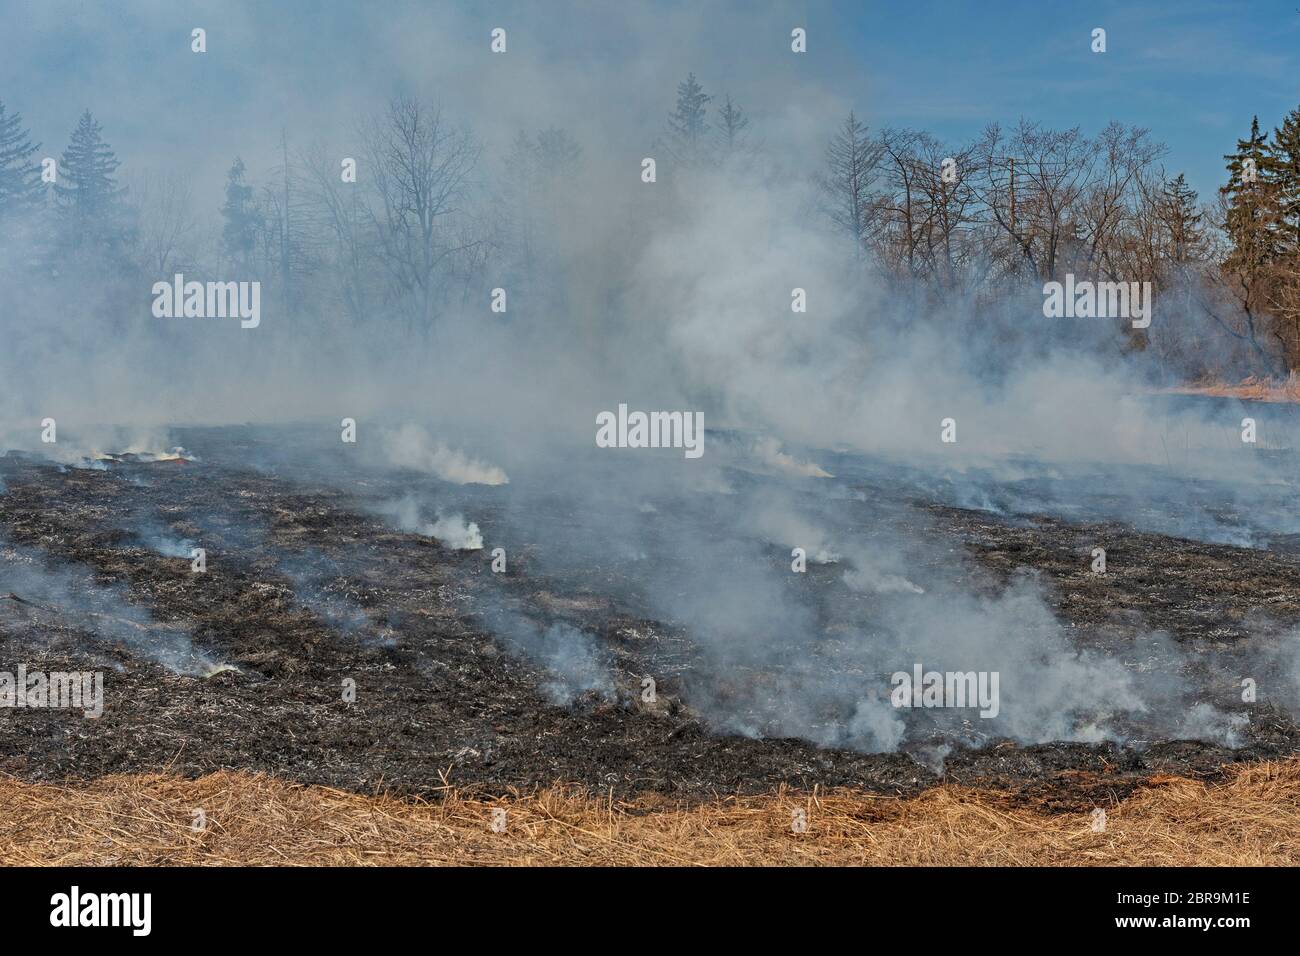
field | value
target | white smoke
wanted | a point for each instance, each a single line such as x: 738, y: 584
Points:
x: 573, y: 658
x: 410, y: 446
x: 793, y: 531
x: 451, y: 530
x: 93, y: 446
x: 70, y: 596
x: 767, y: 451
x: 870, y: 577
x: 455, y: 532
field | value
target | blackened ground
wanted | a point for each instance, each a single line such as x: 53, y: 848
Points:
x: 306, y: 590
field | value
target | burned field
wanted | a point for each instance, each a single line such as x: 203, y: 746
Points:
x: 492, y: 682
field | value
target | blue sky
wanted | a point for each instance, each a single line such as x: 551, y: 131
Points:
x: 1192, y: 71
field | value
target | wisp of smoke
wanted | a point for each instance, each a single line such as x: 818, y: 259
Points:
x: 451, y: 530
x: 410, y: 446
x: 572, y: 657
x: 72, y: 597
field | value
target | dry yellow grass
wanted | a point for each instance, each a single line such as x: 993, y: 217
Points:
x: 1254, y: 388
x: 1251, y: 818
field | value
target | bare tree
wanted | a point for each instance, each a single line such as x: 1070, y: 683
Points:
x: 952, y: 204
x: 339, y: 208
x: 1110, y: 201
x: 165, y: 221
x: 419, y: 167
x: 900, y: 211
x: 540, y: 176
x: 1031, y: 182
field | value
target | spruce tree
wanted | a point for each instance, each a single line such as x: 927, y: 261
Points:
x: 89, y: 198
x: 557, y: 152
x: 1282, y: 167
x: 847, y: 185
x: 687, y: 127
x: 732, y: 123
x: 20, y: 176
x: 1252, y: 217
x: 1183, y: 220
x: 239, y: 233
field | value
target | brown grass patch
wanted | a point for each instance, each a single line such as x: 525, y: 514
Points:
x: 1254, y: 388
x: 1252, y: 817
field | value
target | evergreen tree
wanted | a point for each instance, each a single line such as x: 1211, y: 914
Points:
x: 239, y: 233
x: 1282, y: 167
x: 732, y: 123
x: 852, y: 159
x: 1252, y: 216
x: 1251, y: 224
x: 687, y: 127
x: 1183, y: 220
x: 20, y: 177
x: 90, y: 201
x: 556, y: 152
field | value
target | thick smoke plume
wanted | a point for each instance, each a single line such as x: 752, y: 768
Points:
x: 675, y: 294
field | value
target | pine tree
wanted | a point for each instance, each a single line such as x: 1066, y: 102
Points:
x: 239, y: 233
x: 89, y: 198
x: 732, y: 123
x: 851, y: 162
x: 557, y: 152
x: 1183, y: 220
x: 1251, y: 223
x: 687, y: 127
x: 1252, y: 218
x: 1282, y: 167
x: 1281, y: 164
x: 20, y: 178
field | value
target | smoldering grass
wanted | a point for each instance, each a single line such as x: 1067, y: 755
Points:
x: 160, y: 539
x: 410, y: 446
x: 319, y: 584
x: 71, y: 595
x: 573, y: 659
x: 450, y: 530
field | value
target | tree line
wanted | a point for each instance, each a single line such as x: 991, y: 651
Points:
x: 432, y: 216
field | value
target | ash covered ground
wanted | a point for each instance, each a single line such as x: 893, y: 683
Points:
x: 328, y: 562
